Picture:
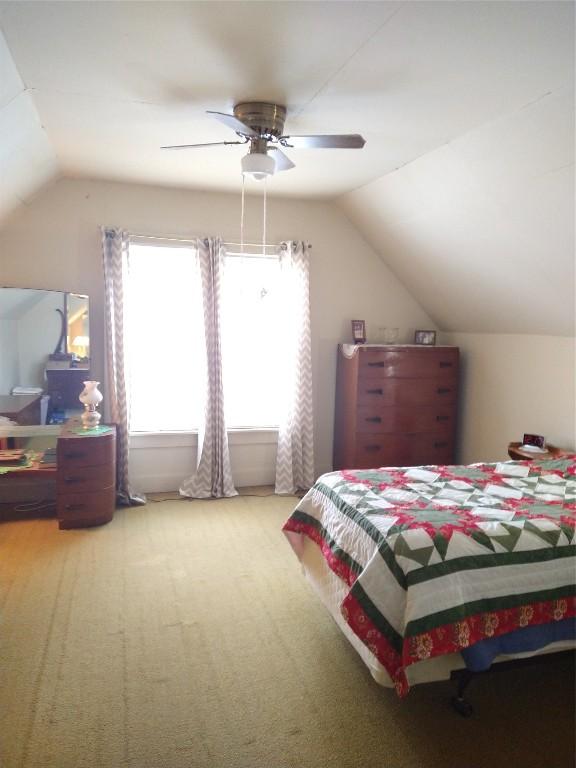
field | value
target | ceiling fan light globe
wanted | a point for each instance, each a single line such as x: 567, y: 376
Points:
x: 258, y: 166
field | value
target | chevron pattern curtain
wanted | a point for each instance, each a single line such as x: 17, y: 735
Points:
x: 115, y: 244
x: 295, y: 459
x: 213, y: 478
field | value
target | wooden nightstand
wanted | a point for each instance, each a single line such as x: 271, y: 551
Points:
x: 515, y: 452
x: 86, y: 477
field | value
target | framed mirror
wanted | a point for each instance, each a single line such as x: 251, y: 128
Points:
x: 44, y: 355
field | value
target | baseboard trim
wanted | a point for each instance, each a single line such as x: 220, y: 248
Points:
x: 161, y: 483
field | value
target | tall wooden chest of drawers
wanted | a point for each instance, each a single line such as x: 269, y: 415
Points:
x: 86, y: 478
x: 395, y: 406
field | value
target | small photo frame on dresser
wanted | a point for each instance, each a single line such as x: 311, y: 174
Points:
x: 358, y: 331
x: 427, y: 338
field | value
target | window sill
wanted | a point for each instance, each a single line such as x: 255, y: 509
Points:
x: 256, y: 436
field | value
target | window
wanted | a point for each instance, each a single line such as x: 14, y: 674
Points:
x: 165, y: 339
x: 251, y: 350
x: 163, y: 332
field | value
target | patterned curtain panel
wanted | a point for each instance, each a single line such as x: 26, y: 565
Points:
x: 213, y: 478
x: 115, y: 256
x: 295, y: 460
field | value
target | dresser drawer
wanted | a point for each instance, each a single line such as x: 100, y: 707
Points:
x: 389, y: 450
x: 80, y: 510
x: 407, y: 420
x: 85, y: 479
x: 86, y: 451
x: 432, y: 448
x: 381, y: 450
x: 402, y: 363
x: 391, y: 392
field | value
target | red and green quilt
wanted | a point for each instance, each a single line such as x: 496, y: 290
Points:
x: 439, y: 558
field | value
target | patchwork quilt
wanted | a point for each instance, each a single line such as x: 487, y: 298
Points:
x: 438, y: 558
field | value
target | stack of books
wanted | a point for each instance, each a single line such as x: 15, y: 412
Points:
x: 12, y: 457
x: 27, y: 391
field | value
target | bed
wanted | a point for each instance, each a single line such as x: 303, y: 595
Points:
x: 430, y: 569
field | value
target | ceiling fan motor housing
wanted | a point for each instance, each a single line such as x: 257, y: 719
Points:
x: 265, y: 118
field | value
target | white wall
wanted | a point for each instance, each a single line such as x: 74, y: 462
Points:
x: 54, y: 242
x: 9, y: 361
x: 512, y: 384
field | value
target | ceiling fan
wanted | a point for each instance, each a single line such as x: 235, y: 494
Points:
x: 261, y: 125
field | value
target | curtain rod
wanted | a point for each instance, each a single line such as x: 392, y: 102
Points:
x: 140, y: 236
x: 193, y: 239
x: 169, y: 238
x: 249, y: 255
x: 251, y: 245
x: 256, y: 245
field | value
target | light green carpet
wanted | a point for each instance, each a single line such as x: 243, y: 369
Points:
x: 183, y: 635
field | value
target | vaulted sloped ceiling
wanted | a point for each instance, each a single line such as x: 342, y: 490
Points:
x: 464, y: 187
x: 27, y: 159
x: 481, y: 230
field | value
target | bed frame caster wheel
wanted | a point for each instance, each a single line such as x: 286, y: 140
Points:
x: 462, y: 706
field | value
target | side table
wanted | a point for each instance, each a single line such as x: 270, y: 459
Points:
x: 86, y: 476
x: 517, y: 454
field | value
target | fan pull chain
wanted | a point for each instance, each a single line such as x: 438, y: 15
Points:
x: 242, y: 218
x: 264, y: 218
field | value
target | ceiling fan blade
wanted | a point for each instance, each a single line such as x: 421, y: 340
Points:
x: 209, y: 144
x: 233, y: 122
x: 283, y: 163
x: 344, y: 141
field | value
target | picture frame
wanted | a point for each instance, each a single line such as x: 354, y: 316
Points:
x: 427, y: 338
x: 358, y: 331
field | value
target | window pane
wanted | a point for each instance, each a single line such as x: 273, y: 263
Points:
x: 250, y: 350
x: 164, y: 338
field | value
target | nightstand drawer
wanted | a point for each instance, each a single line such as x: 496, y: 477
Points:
x: 86, y: 451
x: 80, y: 510
x: 83, y: 479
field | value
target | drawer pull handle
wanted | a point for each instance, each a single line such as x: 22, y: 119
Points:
x: 442, y: 418
x: 379, y: 364
x: 445, y: 364
x: 74, y: 507
x: 375, y: 419
x: 440, y: 444
x: 374, y: 392
x: 75, y: 455
x: 443, y: 390
x: 72, y: 480
x: 372, y: 447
